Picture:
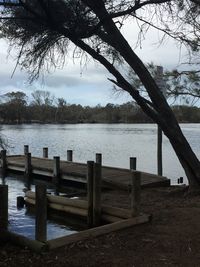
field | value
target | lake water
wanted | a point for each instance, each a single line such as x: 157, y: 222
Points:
x: 117, y: 142
x: 23, y: 222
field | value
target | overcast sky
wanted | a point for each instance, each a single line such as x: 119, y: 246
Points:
x: 88, y: 86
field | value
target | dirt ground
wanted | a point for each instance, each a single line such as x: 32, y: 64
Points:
x: 172, y: 238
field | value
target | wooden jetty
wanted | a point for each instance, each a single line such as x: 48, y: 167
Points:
x: 77, y: 172
x: 93, y: 176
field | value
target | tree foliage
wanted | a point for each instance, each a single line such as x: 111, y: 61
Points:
x: 180, y: 86
x: 60, y: 111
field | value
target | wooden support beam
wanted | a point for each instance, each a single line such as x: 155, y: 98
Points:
x: 133, y: 163
x: 135, y: 193
x: 108, y: 214
x: 41, y: 213
x: 98, y: 231
x: 3, y: 207
x: 69, y: 155
x: 90, y: 177
x: 97, y: 195
x: 45, y: 152
x: 63, y: 201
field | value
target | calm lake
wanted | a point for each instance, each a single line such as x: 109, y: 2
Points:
x: 116, y: 142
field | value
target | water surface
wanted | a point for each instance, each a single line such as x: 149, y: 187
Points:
x: 117, y: 142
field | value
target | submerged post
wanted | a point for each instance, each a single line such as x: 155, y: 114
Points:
x: 45, y: 152
x: 133, y: 163
x: 135, y: 193
x: 99, y: 158
x: 26, y: 149
x: 69, y: 155
x: 41, y: 213
x: 97, y: 195
x: 3, y: 163
x: 90, y: 175
x: 3, y: 207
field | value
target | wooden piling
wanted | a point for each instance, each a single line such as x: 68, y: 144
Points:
x: 99, y: 158
x: 97, y: 195
x: 3, y: 207
x: 56, y: 173
x: 45, y: 152
x: 69, y: 155
x: 135, y: 193
x: 3, y: 163
x: 133, y: 163
x: 28, y: 163
x: 159, y: 152
x: 26, y: 149
x: 90, y: 174
x: 28, y: 169
x: 41, y: 213
x: 181, y: 180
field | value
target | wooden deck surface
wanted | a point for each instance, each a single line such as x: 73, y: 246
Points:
x: 73, y: 171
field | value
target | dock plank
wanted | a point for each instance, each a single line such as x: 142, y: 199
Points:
x: 74, y: 171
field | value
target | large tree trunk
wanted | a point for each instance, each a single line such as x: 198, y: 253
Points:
x: 166, y: 118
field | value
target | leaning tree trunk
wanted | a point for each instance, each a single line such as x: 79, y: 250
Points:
x: 167, y: 122
x: 166, y: 118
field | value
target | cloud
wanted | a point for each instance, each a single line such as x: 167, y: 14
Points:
x: 86, y: 84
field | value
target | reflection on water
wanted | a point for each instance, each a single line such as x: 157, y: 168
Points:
x: 117, y: 142
x: 23, y: 222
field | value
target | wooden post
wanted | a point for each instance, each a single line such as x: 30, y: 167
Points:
x: 159, y: 152
x: 99, y: 158
x: 45, y: 152
x: 133, y: 163
x: 90, y: 174
x: 41, y: 213
x: 69, y: 155
x: 97, y: 195
x: 3, y: 163
x: 56, y: 173
x: 3, y: 207
x: 26, y: 149
x: 28, y: 163
x: 28, y: 169
x: 135, y: 193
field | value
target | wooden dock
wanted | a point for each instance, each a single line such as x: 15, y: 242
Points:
x: 77, y: 172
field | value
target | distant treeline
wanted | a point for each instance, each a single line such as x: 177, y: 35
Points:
x: 44, y: 108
